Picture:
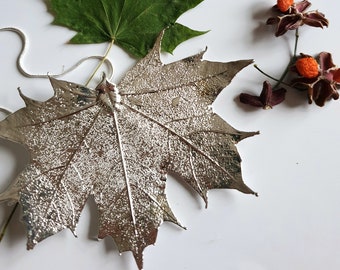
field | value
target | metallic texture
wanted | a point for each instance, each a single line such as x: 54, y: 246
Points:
x: 117, y: 143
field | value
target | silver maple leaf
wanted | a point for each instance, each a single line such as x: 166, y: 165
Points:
x: 117, y: 143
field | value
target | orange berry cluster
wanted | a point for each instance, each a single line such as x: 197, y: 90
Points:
x: 307, y: 67
x: 284, y: 5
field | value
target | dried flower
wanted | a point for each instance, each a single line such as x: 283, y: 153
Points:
x: 295, y: 16
x: 267, y: 99
x: 323, y: 86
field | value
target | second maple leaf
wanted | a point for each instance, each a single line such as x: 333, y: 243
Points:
x: 118, y: 142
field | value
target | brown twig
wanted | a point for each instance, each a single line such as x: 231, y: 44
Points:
x: 3, y: 231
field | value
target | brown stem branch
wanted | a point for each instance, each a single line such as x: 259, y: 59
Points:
x: 3, y: 231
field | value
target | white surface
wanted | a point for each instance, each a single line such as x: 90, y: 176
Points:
x: 292, y: 164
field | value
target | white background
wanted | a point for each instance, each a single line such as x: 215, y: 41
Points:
x: 293, y: 164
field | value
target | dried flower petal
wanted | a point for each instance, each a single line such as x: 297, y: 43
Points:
x: 326, y: 61
x: 322, y: 91
x: 315, y: 19
x: 336, y: 75
x: 302, y: 6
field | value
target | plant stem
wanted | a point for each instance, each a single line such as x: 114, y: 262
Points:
x: 296, y: 41
x: 265, y: 74
x: 100, y: 63
x: 291, y: 61
x: 3, y: 231
x: 279, y: 81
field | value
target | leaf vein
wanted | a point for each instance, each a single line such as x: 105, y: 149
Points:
x: 60, y: 177
x: 184, y: 140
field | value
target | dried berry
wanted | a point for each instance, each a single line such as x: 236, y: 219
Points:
x: 307, y: 67
x: 284, y: 5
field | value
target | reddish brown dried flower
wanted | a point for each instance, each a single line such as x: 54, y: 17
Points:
x: 324, y: 86
x: 267, y: 99
x: 296, y: 16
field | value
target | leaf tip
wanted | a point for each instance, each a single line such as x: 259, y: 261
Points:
x: 242, y: 187
x: 74, y: 232
x: 244, y: 135
x: 247, y: 62
x: 139, y: 259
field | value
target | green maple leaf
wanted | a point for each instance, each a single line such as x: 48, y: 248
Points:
x: 132, y: 25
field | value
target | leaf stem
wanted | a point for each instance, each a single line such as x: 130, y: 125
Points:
x: 100, y: 63
x: 3, y: 231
